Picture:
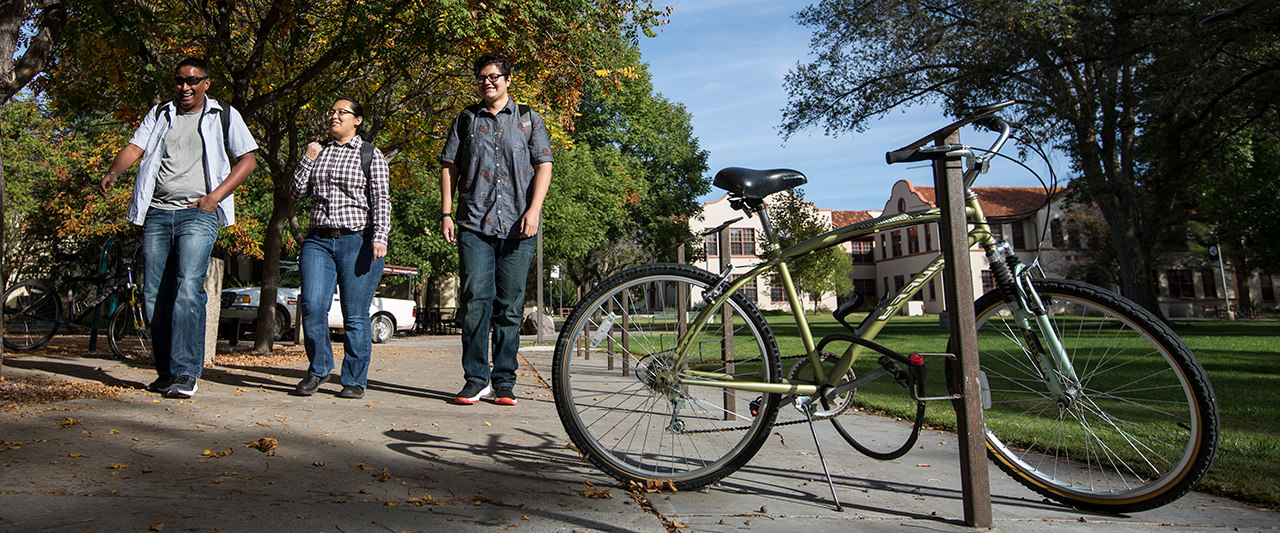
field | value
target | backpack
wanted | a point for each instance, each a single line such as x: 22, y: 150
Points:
x: 225, y: 115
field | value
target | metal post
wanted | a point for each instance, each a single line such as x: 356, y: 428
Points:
x: 958, y: 291
x: 726, y: 320
x: 540, y: 314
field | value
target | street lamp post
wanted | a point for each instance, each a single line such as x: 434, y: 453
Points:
x: 1216, y: 251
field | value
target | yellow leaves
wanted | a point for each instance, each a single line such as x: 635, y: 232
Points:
x: 68, y: 422
x: 593, y: 493
x: 360, y: 466
x: 625, y: 72
x: 74, y: 454
x: 217, y: 455
x: 653, y: 485
x: 425, y: 500
x: 117, y: 466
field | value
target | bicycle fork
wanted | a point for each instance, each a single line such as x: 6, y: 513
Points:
x: 1040, y: 339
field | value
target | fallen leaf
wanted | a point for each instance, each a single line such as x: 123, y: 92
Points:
x: 360, y: 466
x: 383, y: 477
x: 263, y: 445
x: 118, y: 466
x: 68, y: 422
x: 73, y: 454
x: 318, y: 463
x: 487, y: 423
x: 157, y: 527
x: 215, y: 455
x: 923, y: 465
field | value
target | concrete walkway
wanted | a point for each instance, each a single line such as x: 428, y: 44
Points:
x: 405, y: 459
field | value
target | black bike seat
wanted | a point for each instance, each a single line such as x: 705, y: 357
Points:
x: 757, y: 184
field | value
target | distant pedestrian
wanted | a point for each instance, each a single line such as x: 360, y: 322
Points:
x: 498, y: 159
x: 195, y: 151
x: 345, y: 247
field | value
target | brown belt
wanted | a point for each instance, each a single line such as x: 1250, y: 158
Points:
x: 332, y: 233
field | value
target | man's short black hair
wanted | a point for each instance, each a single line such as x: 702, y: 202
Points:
x: 490, y: 58
x: 199, y: 64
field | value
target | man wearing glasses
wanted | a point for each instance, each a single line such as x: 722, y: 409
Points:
x: 181, y: 197
x: 498, y: 159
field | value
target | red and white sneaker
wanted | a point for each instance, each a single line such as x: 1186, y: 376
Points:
x: 472, y: 393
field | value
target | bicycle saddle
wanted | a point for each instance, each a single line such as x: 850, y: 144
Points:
x: 757, y: 184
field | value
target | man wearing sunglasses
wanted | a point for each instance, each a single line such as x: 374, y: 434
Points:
x: 195, y: 151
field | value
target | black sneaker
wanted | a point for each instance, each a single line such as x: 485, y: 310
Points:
x: 472, y: 393
x: 183, y: 387
x: 504, y: 396
x: 309, y: 385
x: 161, y: 384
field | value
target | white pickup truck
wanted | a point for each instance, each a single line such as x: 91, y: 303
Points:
x: 392, y: 309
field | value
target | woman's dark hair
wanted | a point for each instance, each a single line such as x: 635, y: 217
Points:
x: 490, y: 58
x: 355, y: 108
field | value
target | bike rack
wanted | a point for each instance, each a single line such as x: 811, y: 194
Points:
x: 948, y: 176
x: 103, y: 263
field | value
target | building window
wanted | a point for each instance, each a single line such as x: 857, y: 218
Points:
x: 1268, y: 292
x: 928, y: 237
x: 884, y: 247
x: 1075, y: 234
x: 713, y: 244
x: 933, y: 296
x: 886, y: 285
x: 988, y: 281
x: 1019, y: 239
x: 1208, y: 285
x: 742, y: 241
x: 913, y: 240
x: 898, y: 282
x: 1055, y: 233
x: 776, y: 294
x: 997, y: 231
x: 867, y: 287
x: 897, y: 243
x: 748, y: 290
x: 862, y: 252
x: 1181, y: 284
x: 919, y: 295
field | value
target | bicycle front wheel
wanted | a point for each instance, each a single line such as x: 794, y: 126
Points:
x: 128, y: 333
x: 1135, y: 429
x: 615, y: 379
x: 31, y: 313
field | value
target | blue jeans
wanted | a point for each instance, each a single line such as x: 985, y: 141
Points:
x: 346, y: 262
x: 176, y: 247
x: 493, y: 273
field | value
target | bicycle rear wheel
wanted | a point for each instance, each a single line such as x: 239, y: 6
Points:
x: 1141, y: 427
x: 31, y: 313
x: 614, y: 378
x: 128, y: 333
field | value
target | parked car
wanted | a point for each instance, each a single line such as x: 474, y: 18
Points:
x: 393, y: 308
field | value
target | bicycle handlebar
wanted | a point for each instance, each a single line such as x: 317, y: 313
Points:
x: 983, y: 116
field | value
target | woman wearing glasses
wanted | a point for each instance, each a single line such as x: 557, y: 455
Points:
x: 345, y: 247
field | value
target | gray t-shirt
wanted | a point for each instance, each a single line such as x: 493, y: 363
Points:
x: 181, y: 180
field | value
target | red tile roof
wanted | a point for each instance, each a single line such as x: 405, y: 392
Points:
x: 840, y: 219
x: 998, y: 201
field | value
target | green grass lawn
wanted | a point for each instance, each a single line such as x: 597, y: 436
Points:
x: 1242, y: 360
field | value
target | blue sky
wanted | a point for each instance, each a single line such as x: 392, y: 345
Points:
x: 725, y: 60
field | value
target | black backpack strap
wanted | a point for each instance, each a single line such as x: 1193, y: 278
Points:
x: 225, y: 115
x: 366, y: 159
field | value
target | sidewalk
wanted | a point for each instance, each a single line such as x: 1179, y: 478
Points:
x: 405, y: 459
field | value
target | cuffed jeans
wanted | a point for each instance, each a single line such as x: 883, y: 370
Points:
x: 176, y: 247
x: 346, y: 262
x: 493, y: 273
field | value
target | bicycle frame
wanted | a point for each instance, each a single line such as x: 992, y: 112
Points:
x: 1031, y: 312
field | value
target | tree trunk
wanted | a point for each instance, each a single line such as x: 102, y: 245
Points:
x: 273, y: 243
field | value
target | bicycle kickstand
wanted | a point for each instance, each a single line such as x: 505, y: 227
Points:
x: 805, y: 405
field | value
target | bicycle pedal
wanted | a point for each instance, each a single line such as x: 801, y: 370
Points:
x: 896, y: 371
x: 755, y: 405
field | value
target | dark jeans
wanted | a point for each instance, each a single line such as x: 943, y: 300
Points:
x: 176, y: 247
x: 346, y: 262
x: 493, y: 273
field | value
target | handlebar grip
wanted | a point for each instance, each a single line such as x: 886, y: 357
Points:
x: 906, y: 155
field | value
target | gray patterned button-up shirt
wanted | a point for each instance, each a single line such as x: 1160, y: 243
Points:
x: 495, y: 168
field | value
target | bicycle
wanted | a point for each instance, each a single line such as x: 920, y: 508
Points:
x: 666, y: 373
x: 34, y: 311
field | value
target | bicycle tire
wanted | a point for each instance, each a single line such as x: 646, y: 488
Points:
x: 128, y: 334
x: 1143, y: 429
x: 32, y: 311
x: 608, y: 380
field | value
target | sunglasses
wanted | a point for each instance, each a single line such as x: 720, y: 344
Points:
x: 188, y: 80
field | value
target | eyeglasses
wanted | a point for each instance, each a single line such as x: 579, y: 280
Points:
x: 492, y: 78
x: 337, y: 112
x: 188, y: 80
